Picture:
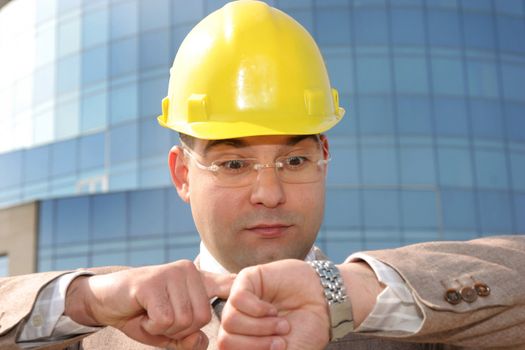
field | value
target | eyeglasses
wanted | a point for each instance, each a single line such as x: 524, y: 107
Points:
x: 295, y: 168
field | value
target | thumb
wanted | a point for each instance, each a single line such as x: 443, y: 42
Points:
x: 217, y: 285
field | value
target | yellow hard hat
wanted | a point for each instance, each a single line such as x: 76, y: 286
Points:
x: 249, y: 69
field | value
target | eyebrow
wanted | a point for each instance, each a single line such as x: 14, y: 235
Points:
x: 238, y: 143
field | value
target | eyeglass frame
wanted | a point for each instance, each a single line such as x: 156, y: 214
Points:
x: 214, y: 168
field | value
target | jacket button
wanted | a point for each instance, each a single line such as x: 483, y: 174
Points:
x: 452, y: 296
x: 482, y: 289
x: 468, y: 294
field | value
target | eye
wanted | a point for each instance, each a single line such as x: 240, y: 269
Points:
x: 295, y: 161
x: 233, y: 165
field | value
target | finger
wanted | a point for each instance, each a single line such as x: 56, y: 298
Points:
x: 134, y: 329
x: 160, y: 315
x: 235, y: 322
x: 249, y: 304
x: 226, y: 341
x: 194, y: 291
x: 217, y: 285
x: 194, y: 341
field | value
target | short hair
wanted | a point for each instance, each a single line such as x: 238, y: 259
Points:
x: 187, y: 140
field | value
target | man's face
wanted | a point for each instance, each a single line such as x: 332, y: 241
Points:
x: 261, y: 220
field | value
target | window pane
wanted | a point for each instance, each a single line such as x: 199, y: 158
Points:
x: 68, y: 75
x: 67, y: 121
x: 515, y: 121
x: 510, y: 28
x: 94, y: 112
x: 72, y: 220
x: 154, y: 141
x: 447, y: 76
x: 341, y: 73
x: 479, y: 30
x: 407, y: 27
x: 4, y: 265
x: 455, y: 167
x: 154, y: 14
x: 373, y: 74
x: 337, y: 199
x: 443, y: 28
x: 69, y: 37
x: 124, y: 103
x: 94, y: 65
x: 419, y: 209
x: 458, y: 209
x: 513, y: 81
x: 95, y: 28
x: 370, y: 27
x: 495, y: 212
x: 154, y: 49
x: 63, y: 157
x: 375, y: 115
x: 92, y: 151
x: 179, y: 215
x: 145, y: 213
x: 411, y: 75
x: 413, y: 115
x: 124, y: 56
x: 123, y: 142
x: 36, y: 164
x: 491, y: 169
x: 44, y: 84
x: 344, y: 167
x: 13, y: 162
x: 379, y: 166
x: 486, y: 118
x: 45, y: 223
x: 151, y: 94
x: 417, y: 166
x: 482, y: 79
x: 381, y: 209
x: 517, y: 162
x: 519, y: 209
x: 450, y: 117
x: 109, y: 216
x: 67, y: 5
x: 123, y: 19
x: 333, y: 27
x: 185, y: 11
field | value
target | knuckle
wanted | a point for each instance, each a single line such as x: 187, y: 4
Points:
x: 185, y: 315
x: 229, y: 320
x: 203, y: 316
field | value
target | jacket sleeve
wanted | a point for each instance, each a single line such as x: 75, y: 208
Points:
x: 17, y: 297
x: 470, y: 293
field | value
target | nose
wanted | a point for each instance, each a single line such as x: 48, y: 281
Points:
x: 268, y: 189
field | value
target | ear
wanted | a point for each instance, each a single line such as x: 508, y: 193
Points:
x: 179, y: 172
x: 326, y: 147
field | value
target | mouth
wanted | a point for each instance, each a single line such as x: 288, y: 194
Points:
x: 269, y: 230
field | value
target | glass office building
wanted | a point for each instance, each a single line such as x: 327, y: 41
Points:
x: 432, y: 146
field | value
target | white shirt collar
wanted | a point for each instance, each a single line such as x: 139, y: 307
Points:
x: 210, y: 264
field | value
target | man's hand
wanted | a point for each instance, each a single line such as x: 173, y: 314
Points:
x: 281, y: 305
x: 276, y: 306
x: 164, y: 305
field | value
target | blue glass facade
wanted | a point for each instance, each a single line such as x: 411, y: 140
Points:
x: 432, y: 146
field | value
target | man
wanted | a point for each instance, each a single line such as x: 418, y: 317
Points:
x: 250, y: 96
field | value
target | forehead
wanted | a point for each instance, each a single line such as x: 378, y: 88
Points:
x: 205, y: 146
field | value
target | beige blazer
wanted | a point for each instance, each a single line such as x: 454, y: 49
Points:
x: 496, y: 321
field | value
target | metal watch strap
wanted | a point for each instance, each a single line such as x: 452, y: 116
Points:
x: 341, y: 321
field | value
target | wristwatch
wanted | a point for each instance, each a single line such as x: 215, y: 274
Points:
x: 341, y: 320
